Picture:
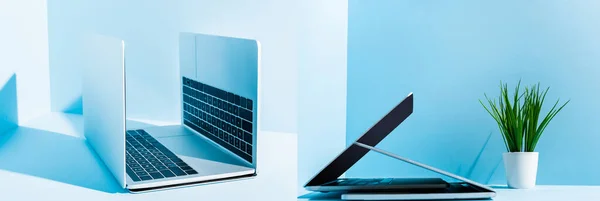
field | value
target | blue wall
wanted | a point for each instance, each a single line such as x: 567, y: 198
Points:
x: 451, y: 52
x: 321, y: 85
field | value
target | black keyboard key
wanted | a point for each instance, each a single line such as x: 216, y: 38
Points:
x: 227, y: 116
x: 248, y: 138
x: 151, y: 170
x: 191, y: 172
x: 156, y: 175
x: 223, y: 94
x: 134, y: 165
x: 132, y: 175
x: 245, y: 114
x: 144, y: 178
x: 236, y: 99
x: 229, y: 108
x: 249, y: 149
x: 243, y: 102
x: 185, y: 168
x: 167, y: 173
x: 247, y: 126
x: 177, y: 171
x: 141, y: 173
x: 228, y: 128
x: 239, y: 133
x: 249, y: 104
x: 137, y: 169
x: 242, y: 146
x: 161, y: 168
x: 230, y: 97
x: 238, y: 122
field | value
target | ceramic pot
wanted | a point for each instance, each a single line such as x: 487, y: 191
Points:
x: 521, y: 169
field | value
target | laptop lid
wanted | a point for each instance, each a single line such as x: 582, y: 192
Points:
x: 223, y: 70
x: 103, y: 95
x: 372, y: 137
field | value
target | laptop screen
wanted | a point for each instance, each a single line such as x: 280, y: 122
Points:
x: 219, y: 85
x: 372, y: 137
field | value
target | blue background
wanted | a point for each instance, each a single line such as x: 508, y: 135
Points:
x: 449, y: 53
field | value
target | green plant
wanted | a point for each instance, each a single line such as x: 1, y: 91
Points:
x: 518, y: 116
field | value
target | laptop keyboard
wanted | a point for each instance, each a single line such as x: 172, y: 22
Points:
x: 224, y: 117
x: 363, y: 182
x: 148, y: 159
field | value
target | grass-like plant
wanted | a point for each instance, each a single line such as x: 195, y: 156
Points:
x: 518, y: 116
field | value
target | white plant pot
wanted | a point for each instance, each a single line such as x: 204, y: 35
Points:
x: 521, y: 169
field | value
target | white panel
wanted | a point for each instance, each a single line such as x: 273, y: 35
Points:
x: 24, y: 52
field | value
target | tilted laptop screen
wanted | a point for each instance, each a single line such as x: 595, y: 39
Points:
x: 224, y: 117
x: 372, y: 137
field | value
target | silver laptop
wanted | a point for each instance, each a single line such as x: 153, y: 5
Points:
x: 216, y: 139
x: 385, y: 188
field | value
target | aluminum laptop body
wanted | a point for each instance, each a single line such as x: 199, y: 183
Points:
x: 466, y: 189
x: 211, y: 144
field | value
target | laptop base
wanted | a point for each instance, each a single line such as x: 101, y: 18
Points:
x: 453, y: 192
x: 211, y: 162
x: 381, y: 184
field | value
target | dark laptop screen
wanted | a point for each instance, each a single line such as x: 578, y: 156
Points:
x: 372, y: 137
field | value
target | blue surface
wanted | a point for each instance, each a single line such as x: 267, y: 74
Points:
x: 55, y: 156
x: 8, y: 106
x: 451, y: 52
x: 49, y: 157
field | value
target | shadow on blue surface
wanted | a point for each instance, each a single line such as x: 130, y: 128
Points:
x: 8, y: 104
x: 55, y: 157
x: 75, y: 107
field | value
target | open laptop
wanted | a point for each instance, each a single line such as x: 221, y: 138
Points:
x: 384, y: 188
x: 216, y: 139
